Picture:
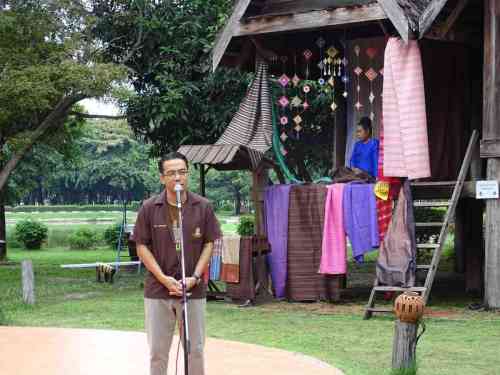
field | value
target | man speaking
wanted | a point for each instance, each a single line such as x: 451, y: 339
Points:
x: 156, y: 233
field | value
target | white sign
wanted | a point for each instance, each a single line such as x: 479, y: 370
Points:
x: 487, y: 190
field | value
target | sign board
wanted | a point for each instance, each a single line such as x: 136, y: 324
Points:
x: 487, y: 190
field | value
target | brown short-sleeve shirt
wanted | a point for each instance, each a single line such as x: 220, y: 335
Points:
x: 153, y: 228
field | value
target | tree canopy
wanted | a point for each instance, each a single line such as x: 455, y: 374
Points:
x: 48, y: 63
x: 177, y: 99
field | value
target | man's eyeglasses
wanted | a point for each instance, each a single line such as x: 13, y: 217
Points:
x: 180, y: 172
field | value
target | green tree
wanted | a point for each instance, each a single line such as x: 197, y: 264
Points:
x: 177, y: 99
x: 48, y: 62
x: 116, y: 166
x: 229, y: 185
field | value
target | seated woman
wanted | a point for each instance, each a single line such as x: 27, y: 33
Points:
x: 365, y: 153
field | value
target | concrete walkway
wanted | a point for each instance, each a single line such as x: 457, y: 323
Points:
x: 58, y: 351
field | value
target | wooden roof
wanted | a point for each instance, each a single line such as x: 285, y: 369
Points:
x: 250, y: 18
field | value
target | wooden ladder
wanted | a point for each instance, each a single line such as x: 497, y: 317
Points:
x: 437, y: 248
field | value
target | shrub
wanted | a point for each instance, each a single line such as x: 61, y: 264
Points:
x: 83, y: 239
x: 111, y: 235
x: 31, y: 233
x: 132, y: 206
x: 246, y: 226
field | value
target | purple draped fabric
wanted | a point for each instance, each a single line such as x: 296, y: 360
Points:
x: 360, y: 219
x: 277, y: 199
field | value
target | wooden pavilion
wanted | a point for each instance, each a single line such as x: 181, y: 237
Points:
x: 273, y: 28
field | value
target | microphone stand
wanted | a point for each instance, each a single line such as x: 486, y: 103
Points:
x: 180, y: 243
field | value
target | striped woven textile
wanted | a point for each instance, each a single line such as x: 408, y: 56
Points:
x: 216, y: 260
x: 252, y: 125
x: 384, y: 208
x: 306, y: 215
x: 406, y: 152
x: 230, y: 271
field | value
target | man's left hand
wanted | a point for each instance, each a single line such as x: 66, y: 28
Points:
x: 190, y: 283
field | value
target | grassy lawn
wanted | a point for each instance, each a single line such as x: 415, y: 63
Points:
x: 462, y: 343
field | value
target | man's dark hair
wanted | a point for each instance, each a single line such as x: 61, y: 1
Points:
x: 366, y: 124
x: 171, y: 156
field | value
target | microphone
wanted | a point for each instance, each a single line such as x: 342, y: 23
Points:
x: 178, y: 189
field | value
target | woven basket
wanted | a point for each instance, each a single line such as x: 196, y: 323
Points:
x: 409, y: 307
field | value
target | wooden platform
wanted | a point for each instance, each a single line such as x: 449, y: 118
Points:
x: 441, y: 190
x: 58, y: 351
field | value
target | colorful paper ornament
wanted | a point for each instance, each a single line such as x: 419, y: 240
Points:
x: 332, y: 51
x: 371, y: 74
x: 296, y: 101
x: 284, y: 101
x: 320, y: 42
x: 307, y: 54
x: 284, y: 120
x: 371, y: 52
x: 284, y: 80
x: 306, y: 89
x: 295, y: 80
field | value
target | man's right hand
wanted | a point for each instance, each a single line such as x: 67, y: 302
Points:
x: 173, y: 286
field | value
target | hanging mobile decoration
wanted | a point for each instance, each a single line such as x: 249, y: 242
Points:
x: 371, y: 75
x: 331, y: 52
x: 295, y: 78
x: 321, y: 65
x: 307, y: 56
x: 284, y: 102
x: 345, y: 79
x: 358, y: 71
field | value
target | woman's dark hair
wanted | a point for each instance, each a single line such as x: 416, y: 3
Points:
x: 171, y: 156
x: 366, y: 124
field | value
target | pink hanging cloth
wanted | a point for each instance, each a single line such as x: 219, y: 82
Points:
x: 334, y: 251
x: 406, y: 148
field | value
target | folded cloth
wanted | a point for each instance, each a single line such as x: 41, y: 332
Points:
x: 305, y: 233
x: 384, y: 206
x: 216, y: 260
x: 346, y: 174
x: 360, y: 219
x: 397, y: 255
x: 231, y: 259
x: 244, y: 289
x: 404, y: 113
x: 276, y: 202
x: 334, y: 251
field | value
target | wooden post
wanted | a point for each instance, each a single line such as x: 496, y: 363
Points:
x: 28, y: 281
x: 340, y: 136
x: 404, y: 345
x: 202, y: 180
x: 474, y: 251
x: 460, y: 240
x: 491, y: 130
x: 474, y: 254
x: 259, y: 182
x: 3, y: 232
x: 260, y: 178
